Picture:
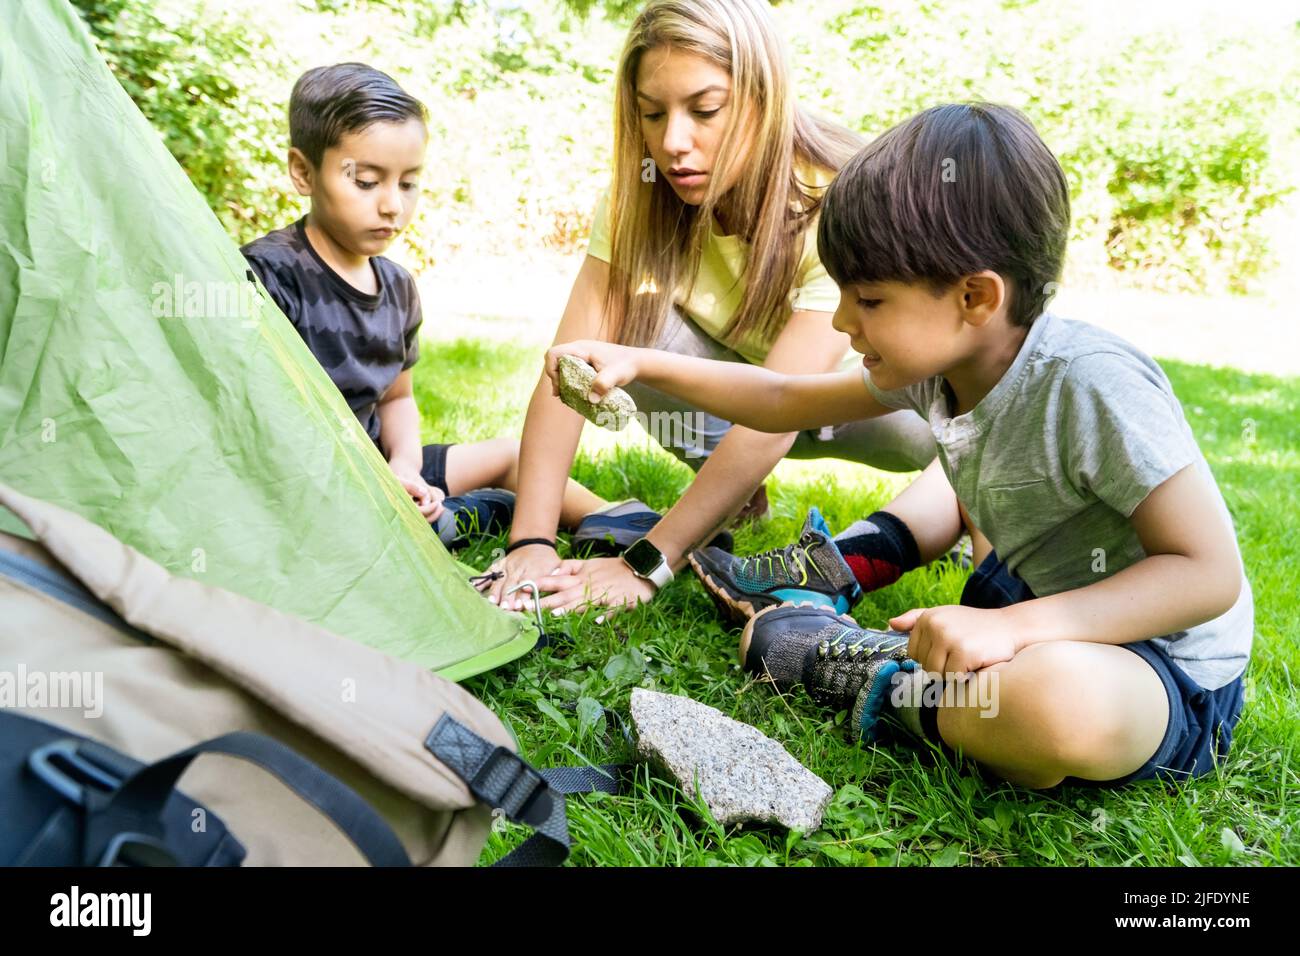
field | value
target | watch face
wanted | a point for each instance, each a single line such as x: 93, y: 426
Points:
x: 643, y: 557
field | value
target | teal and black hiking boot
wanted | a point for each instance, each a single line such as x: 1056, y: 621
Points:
x: 839, y: 663
x: 812, y: 569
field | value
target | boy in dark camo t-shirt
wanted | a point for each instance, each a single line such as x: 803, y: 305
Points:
x: 357, y: 149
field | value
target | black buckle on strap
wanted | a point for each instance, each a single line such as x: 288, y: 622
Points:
x: 506, y: 782
x: 137, y: 849
x: 65, y: 767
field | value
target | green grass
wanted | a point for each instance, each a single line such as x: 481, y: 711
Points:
x: 895, y: 804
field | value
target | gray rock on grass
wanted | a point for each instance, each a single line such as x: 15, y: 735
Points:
x: 743, y: 774
x: 614, y: 411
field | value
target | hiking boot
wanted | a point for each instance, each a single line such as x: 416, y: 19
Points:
x: 482, y: 511
x: 839, y: 663
x: 812, y: 570
x: 612, y: 530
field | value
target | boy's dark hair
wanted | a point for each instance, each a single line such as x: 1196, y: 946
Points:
x: 954, y: 190
x: 330, y: 101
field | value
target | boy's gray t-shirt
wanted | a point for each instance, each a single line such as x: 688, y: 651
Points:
x: 1054, y: 460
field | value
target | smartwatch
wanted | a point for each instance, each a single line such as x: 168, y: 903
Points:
x: 648, y: 562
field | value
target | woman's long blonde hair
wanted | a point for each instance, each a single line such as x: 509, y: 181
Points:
x: 656, y: 238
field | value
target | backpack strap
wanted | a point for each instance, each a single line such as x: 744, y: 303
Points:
x: 134, y: 808
x: 500, y: 778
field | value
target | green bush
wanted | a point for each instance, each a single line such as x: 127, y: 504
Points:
x: 1176, y: 142
x: 193, y: 73
x: 1174, y: 145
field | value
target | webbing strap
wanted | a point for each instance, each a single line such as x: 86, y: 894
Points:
x: 136, y: 806
x: 503, y: 780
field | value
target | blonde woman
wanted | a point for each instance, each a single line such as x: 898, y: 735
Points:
x: 705, y: 244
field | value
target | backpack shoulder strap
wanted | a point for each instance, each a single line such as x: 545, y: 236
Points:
x: 137, y: 804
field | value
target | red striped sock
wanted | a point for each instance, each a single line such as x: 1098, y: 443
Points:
x: 879, y: 550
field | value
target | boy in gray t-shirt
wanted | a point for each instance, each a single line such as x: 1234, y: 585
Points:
x: 1056, y: 458
x: 1103, y: 634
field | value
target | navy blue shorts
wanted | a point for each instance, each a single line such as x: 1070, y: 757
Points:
x: 1200, y: 721
x: 434, y: 467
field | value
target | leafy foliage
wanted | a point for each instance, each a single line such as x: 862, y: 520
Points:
x: 1178, y: 138
x: 193, y: 75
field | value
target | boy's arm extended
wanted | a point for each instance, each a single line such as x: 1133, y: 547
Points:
x: 745, y: 394
x: 1191, y: 575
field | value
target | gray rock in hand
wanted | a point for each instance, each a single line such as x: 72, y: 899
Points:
x: 614, y: 411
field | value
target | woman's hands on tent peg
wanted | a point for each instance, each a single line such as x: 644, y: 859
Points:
x: 607, y: 583
x: 569, y: 584
x: 536, y: 563
x: 615, y: 365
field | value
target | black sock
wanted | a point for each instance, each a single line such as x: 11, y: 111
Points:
x: 879, y: 550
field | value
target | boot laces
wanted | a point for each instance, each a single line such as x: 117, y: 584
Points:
x: 839, y: 648
x: 789, y: 556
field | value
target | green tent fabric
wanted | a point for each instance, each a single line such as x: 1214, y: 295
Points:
x: 148, y: 386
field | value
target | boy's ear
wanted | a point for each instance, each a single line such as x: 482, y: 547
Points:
x: 982, y: 295
x: 301, y: 171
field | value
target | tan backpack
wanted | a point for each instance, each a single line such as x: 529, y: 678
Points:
x: 173, y: 662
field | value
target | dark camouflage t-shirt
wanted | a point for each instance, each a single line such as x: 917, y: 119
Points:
x: 362, y: 341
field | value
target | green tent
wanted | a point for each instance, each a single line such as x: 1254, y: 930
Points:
x: 147, y: 385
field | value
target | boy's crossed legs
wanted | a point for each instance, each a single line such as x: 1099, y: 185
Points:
x: 1065, y: 709
x: 1096, y: 712
x: 478, y: 481
x: 494, y: 463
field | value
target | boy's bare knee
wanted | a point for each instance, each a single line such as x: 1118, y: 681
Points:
x: 1044, y: 712
x: 1063, y: 710
x: 1086, y: 731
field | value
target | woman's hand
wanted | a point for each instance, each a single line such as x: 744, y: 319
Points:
x: 536, y: 563
x: 615, y: 365
x: 599, y: 582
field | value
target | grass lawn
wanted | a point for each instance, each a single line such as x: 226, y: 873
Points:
x: 893, y: 805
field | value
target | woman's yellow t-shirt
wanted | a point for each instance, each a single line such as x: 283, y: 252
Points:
x: 720, y: 285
